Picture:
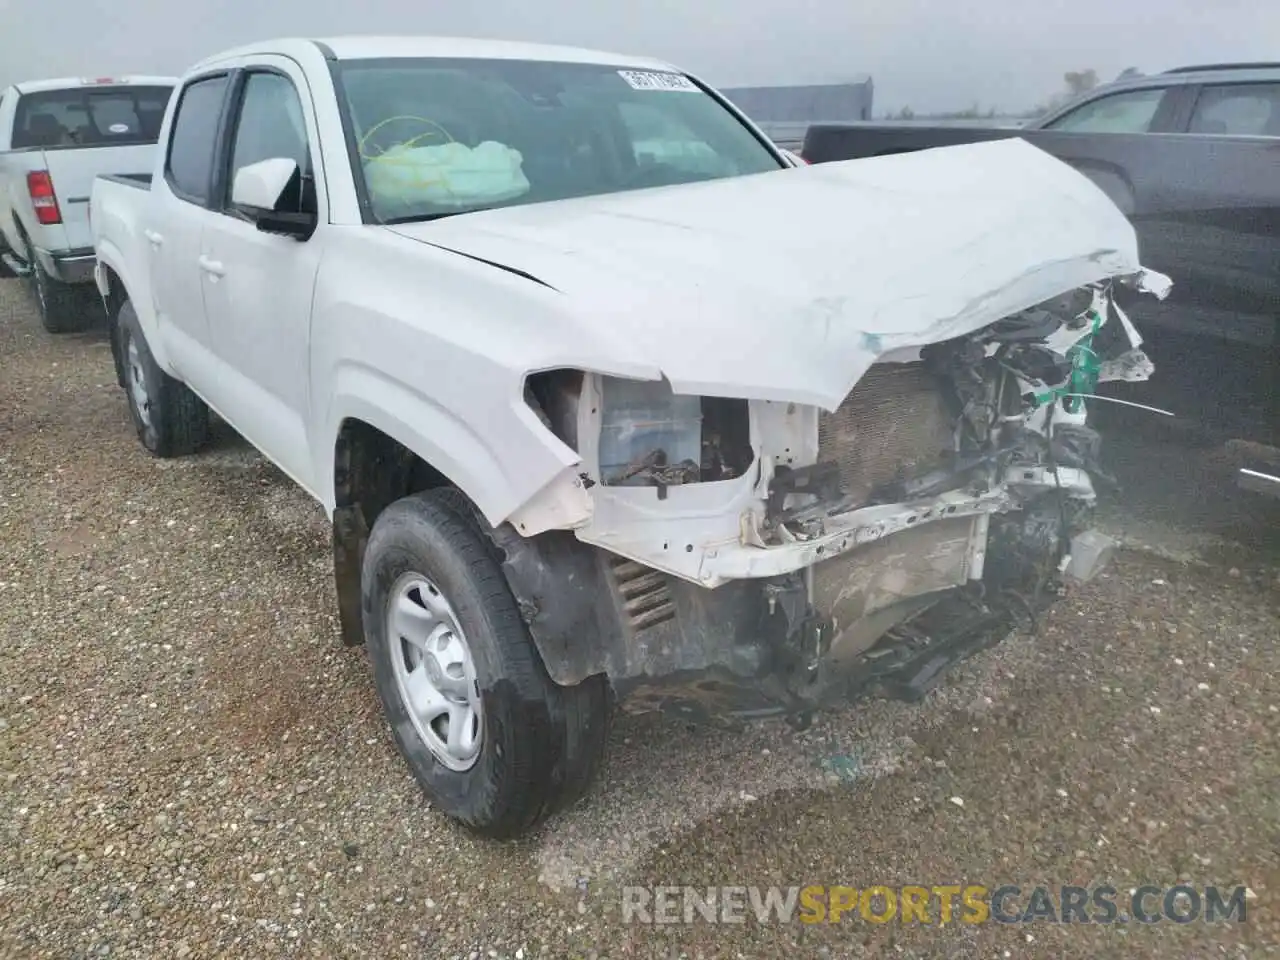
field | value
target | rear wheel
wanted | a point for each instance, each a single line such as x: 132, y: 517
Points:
x: 63, y: 308
x: 171, y: 420
x: 491, y: 739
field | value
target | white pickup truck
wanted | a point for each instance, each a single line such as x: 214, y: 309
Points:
x: 609, y: 400
x: 55, y: 137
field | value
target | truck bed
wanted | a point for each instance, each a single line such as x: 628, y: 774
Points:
x: 825, y: 142
x: 139, y: 181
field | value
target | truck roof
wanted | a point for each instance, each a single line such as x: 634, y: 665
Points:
x: 1177, y: 77
x: 75, y: 83
x: 358, y: 47
x: 1191, y: 75
x: 1218, y: 67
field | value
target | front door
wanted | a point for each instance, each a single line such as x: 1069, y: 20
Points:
x: 258, y: 286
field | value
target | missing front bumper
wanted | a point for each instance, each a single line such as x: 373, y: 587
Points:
x: 892, y: 614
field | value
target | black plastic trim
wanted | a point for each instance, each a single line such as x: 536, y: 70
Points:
x: 492, y: 263
x: 353, y: 148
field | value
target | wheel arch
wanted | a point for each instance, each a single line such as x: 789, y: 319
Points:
x: 371, y: 469
x: 124, y: 285
x: 390, y: 442
x: 113, y: 301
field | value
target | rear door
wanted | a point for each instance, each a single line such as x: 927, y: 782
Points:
x: 96, y: 128
x: 176, y: 219
x: 1231, y: 219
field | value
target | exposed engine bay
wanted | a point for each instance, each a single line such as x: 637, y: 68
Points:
x: 874, y: 544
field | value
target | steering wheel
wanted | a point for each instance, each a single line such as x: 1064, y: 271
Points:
x: 430, y: 133
x: 652, y: 175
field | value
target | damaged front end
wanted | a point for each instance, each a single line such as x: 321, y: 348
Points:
x: 760, y: 557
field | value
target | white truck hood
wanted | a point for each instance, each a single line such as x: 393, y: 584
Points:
x: 788, y: 286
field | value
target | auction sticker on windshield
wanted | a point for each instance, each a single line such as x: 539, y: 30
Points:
x: 646, y: 80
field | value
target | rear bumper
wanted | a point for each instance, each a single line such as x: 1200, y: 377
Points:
x: 68, y: 266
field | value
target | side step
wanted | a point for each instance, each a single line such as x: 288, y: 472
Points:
x: 19, y: 268
x: 1258, y: 482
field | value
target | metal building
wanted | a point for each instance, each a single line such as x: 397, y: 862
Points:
x: 785, y: 112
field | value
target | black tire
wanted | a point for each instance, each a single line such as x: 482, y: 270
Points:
x: 175, y: 422
x: 542, y: 744
x: 63, y: 307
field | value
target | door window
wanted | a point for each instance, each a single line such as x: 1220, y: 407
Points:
x: 1129, y: 112
x: 189, y: 169
x: 272, y: 125
x: 1238, y: 110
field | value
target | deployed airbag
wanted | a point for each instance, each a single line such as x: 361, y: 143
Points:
x: 451, y: 175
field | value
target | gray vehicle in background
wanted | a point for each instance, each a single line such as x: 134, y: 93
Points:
x: 1192, y: 157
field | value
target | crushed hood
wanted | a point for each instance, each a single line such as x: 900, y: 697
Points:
x: 788, y: 285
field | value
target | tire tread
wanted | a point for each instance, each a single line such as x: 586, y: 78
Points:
x: 179, y: 418
x: 66, y: 307
x: 558, y: 734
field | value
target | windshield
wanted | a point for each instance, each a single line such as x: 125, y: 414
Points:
x: 437, y: 137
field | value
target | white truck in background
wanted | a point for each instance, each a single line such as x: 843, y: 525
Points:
x: 56, y: 136
x: 607, y: 398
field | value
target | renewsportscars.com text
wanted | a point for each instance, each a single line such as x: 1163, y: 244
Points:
x: 947, y: 903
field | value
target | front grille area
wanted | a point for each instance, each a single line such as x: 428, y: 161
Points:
x: 893, y: 424
x: 646, y: 597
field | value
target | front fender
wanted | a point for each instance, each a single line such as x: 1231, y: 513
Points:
x: 453, y: 447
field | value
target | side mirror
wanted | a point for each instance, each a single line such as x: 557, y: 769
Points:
x: 269, y: 193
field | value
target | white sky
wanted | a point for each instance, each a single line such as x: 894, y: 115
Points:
x: 930, y: 54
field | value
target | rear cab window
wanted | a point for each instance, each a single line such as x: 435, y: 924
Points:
x: 1237, y: 110
x: 92, y: 115
x: 188, y: 167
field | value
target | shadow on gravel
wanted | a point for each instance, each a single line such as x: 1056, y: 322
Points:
x: 1191, y: 489
x: 1095, y: 767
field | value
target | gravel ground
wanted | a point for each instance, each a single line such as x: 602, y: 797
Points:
x: 194, y: 766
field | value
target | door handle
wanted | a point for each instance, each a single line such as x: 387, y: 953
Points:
x: 153, y: 238
x: 213, y: 267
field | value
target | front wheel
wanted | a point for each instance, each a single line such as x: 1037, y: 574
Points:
x: 491, y: 739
